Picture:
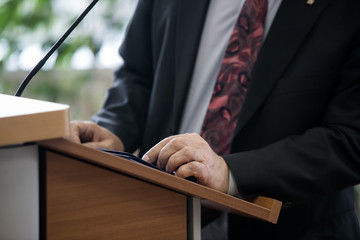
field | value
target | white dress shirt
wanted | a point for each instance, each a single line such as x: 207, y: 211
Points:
x: 219, y: 24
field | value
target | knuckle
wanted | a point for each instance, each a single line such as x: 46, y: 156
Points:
x: 194, y: 167
x: 187, y: 151
x: 167, y: 139
x: 177, y: 142
x: 194, y: 135
x: 185, y: 171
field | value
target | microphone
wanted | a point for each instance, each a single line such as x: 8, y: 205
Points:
x: 42, y: 62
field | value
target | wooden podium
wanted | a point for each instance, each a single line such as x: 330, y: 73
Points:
x: 51, y: 188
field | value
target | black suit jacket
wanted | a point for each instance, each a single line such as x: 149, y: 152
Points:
x: 298, y: 134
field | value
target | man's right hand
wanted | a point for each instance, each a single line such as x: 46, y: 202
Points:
x: 93, y: 135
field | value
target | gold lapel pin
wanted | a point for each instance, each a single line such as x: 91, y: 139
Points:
x: 310, y: 2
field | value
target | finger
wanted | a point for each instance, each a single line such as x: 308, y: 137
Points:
x: 151, y: 156
x: 216, y: 177
x: 175, y: 145
x: 74, y: 133
x: 193, y: 168
x: 181, y: 157
x: 102, y: 138
x: 96, y: 145
x: 89, y: 133
x: 82, y: 131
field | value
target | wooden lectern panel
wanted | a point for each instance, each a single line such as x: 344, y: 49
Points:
x: 262, y: 208
x: 85, y: 201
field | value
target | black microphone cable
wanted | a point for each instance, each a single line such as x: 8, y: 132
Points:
x: 42, y: 62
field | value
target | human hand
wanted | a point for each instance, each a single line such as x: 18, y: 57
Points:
x: 93, y: 135
x: 190, y: 155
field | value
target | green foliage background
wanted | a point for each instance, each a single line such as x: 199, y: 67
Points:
x: 37, y: 21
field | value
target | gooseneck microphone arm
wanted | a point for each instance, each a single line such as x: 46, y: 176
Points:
x: 40, y: 64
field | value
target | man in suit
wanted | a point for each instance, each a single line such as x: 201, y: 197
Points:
x: 297, y: 136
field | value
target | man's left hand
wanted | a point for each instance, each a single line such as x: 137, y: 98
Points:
x: 190, y: 155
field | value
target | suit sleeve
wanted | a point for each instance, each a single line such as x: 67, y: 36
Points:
x: 126, y: 104
x: 322, y: 160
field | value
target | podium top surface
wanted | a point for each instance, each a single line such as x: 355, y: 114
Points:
x: 17, y: 106
x: 26, y: 120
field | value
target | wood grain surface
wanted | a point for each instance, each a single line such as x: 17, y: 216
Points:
x: 88, y: 202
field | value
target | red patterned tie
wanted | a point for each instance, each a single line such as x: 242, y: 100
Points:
x: 232, y: 82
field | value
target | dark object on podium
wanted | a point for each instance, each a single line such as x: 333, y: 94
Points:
x: 139, y: 160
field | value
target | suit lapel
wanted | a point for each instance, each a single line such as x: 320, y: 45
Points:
x: 190, y: 21
x: 292, y: 24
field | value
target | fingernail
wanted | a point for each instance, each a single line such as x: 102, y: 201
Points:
x: 146, y: 158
